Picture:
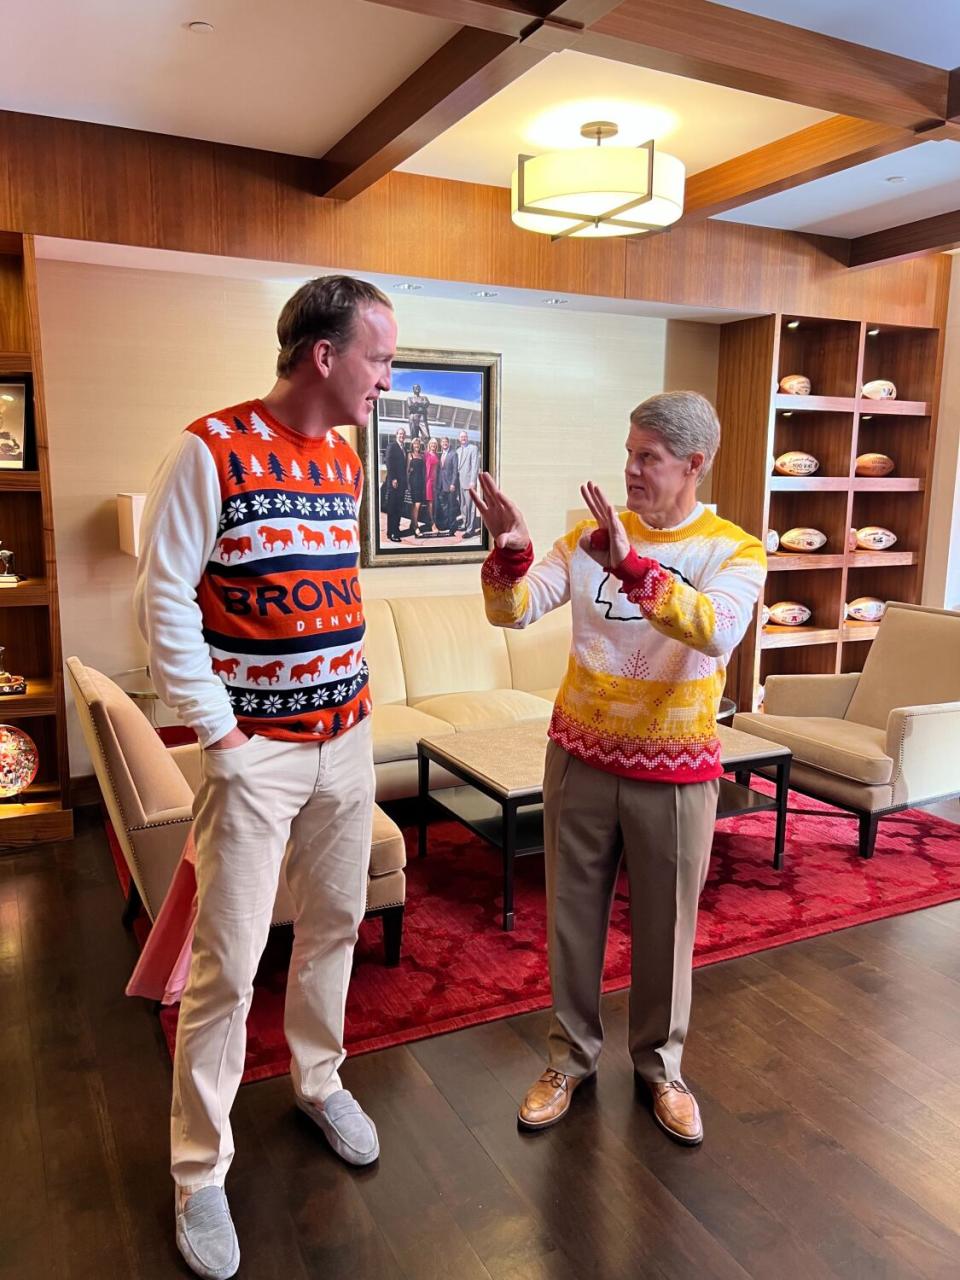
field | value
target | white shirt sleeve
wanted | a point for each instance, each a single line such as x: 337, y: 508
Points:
x: 178, y: 534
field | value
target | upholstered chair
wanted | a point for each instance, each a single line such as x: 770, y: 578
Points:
x: 875, y: 741
x: 148, y: 790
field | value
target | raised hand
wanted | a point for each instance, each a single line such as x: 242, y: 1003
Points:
x: 502, y: 517
x: 608, y: 544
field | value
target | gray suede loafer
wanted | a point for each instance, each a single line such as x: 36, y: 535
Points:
x: 206, y: 1236
x: 347, y: 1128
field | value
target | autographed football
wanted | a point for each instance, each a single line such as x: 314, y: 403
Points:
x: 803, y: 539
x: 879, y: 389
x: 874, y: 464
x: 772, y: 540
x: 865, y: 609
x: 796, y: 463
x: 795, y: 384
x: 873, y: 537
x: 789, y: 613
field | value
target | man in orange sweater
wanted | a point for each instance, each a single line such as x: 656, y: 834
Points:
x: 248, y: 596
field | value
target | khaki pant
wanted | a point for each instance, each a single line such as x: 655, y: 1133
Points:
x: 664, y: 833
x: 252, y: 800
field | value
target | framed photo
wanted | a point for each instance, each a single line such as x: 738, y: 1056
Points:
x: 427, y: 440
x: 13, y: 416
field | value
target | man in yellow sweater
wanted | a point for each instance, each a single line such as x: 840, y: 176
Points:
x: 660, y: 596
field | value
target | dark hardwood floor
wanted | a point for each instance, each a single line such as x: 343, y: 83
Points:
x: 828, y: 1073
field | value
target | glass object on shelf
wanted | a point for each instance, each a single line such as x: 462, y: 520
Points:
x: 19, y: 760
x: 10, y: 683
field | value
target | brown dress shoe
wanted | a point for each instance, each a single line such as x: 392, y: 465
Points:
x: 675, y: 1110
x: 547, y: 1100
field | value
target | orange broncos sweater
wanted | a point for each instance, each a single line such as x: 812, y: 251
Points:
x: 248, y: 592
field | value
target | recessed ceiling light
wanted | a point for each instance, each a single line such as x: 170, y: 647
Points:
x: 407, y: 286
x: 556, y: 302
x: 793, y: 324
x: 895, y: 177
x: 485, y: 293
x: 872, y: 333
x: 200, y: 28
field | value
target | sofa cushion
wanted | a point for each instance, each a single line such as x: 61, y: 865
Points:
x: 387, y: 850
x: 489, y: 707
x: 549, y: 695
x: 381, y: 648
x: 855, y: 751
x: 448, y: 645
x: 398, y: 729
x: 539, y: 653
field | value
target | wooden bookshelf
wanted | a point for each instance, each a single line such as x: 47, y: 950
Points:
x: 836, y: 424
x: 29, y: 611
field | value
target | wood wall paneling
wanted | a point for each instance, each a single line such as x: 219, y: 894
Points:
x: 82, y: 181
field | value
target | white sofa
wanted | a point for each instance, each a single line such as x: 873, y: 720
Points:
x: 437, y: 666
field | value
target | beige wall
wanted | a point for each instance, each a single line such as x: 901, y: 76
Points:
x: 941, y: 586
x: 131, y: 356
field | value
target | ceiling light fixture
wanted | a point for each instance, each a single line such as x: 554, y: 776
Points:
x: 603, y: 191
x: 200, y: 28
x: 407, y: 286
x: 485, y: 293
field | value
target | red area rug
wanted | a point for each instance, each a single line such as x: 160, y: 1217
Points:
x: 459, y: 968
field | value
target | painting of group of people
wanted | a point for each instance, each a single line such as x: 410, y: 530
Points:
x: 433, y: 433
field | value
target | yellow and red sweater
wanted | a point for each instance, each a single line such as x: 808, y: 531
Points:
x: 650, y: 643
x: 248, y: 592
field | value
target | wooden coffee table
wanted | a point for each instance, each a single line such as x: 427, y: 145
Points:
x: 501, y: 798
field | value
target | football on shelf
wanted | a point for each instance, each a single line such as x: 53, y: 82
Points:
x: 879, y: 389
x: 865, y: 609
x: 874, y: 464
x: 803, y: 539
x: 772, y: 540
x: 795, y: 384
x: 796, y: 463
x: 873, y: 537
x: 789, y: 613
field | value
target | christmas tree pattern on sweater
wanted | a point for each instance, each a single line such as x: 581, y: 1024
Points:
x: 280, y: 595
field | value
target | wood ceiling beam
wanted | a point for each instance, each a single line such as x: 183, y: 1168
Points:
x: 910, y: 240
x: 705, y: 41
x: 824, y: 148
x: 471, y: 67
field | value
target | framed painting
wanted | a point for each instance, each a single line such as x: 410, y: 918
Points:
x: 427, y: 441
x: 13, y: 421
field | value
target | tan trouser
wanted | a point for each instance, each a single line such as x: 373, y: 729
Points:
x: 252, y: 800
x: 664, y: 833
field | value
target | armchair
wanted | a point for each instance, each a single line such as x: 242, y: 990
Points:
x: 148, y: 790
x: 880, y: 740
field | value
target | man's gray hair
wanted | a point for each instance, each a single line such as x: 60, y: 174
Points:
x: 687, y: 422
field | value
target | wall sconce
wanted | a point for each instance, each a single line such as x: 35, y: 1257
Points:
x: 129, y: 514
